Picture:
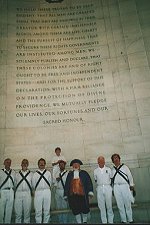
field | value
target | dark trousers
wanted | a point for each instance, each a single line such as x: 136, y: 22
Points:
x: 79, y: 204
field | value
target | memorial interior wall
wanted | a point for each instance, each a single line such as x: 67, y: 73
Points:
x: 76, y: 74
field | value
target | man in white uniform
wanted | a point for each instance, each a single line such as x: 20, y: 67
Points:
x: 23, y: 191
x: 42, y: 185
x: 55, y: 162
x: 102, y: 176
x: 59, y: 194
x: 122, y: 182
x: 7, y: 176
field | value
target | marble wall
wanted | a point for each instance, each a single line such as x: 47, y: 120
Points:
x: 75, y: 74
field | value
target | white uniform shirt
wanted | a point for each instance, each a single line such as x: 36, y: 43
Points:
x: 119, y: 179
x: 56, y: 167
x: 42, y: 185
x: 3, y: 176
x: 102, y: 175
x: 23, y: 185
x: 59, y: 183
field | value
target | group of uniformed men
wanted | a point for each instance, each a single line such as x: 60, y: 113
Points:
x: 73, y: 188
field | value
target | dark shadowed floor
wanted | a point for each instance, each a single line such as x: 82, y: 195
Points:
x: 141, y: 215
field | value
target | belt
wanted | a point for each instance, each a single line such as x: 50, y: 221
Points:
x: 120, y: 183
x: 102, y: 185
x: 22, y: 190
x: 43, y: 189
x: 7, y: 188
x: 60, y: 189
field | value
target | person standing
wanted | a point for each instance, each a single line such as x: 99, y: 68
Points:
x: 122, y: 182
x: 23, y: 193
x: 78, y: 189
x: 7, y: 176
x: 55, y: 162
x: 42, y: 197
x: 59, y: 194
x: 102, y: 176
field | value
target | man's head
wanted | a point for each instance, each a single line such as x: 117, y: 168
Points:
x: 7, y: 163
x: 62, y: 165
x: 41, y: 164
x: 24, y: 164
x: 101, y: 161
x: 76, y: 164
x: 116, y: 159
x: 58, y: 151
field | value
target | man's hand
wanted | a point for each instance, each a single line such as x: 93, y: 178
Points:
x: 133, y: 190
x: 65, y: 198
x: 58, y: 179
x: 90, y: 194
